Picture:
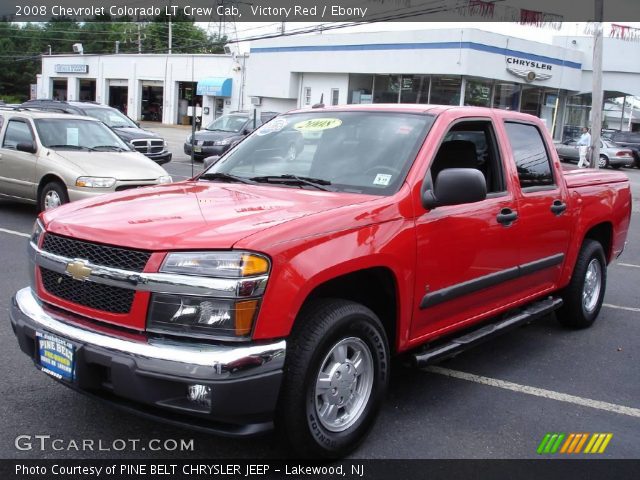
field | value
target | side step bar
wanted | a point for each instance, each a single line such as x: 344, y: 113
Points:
x: 456, y: 345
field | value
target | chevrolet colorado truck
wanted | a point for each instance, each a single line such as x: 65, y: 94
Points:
x: 271, y: 291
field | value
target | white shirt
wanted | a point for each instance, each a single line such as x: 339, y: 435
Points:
x: 585, y: 140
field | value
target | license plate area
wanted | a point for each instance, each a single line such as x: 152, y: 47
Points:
x: 56, y: 356
x: 197, y: 149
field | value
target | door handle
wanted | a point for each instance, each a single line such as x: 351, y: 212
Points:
x: 507, y: 216
x: 558, y: 207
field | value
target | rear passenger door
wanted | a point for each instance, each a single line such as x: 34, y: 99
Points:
x: 467, y: 255
x: 17, y: 169
x: 545, y: 223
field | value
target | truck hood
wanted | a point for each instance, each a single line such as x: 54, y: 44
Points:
x: 120, y: 165
x: 131, y: 133
x: 189, y: 215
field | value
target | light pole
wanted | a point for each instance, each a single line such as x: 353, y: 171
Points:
x: 596, y: 91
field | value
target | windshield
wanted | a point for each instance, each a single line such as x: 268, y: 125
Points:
x: 228, y: 123
x: 360, y: 152
x: 76, y: 134
x: 111, y: 117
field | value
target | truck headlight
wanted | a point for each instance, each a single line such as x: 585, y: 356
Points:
x: 36, y: 233
x: 216, y: 264
x: 165, y: 179
x: 224, y: 141
x: 95, y: 182
x: 201, y: 316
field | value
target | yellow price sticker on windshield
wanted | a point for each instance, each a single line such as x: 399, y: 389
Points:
x: 316, y: 124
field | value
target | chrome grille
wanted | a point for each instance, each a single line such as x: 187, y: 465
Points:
x: 115, y: 257
x: 89, y: 294
x: 148, y: 146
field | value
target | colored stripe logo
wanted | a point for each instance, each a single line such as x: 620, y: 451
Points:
x: 569, y: 443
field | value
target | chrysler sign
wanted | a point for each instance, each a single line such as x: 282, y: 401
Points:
x: 529, y: 70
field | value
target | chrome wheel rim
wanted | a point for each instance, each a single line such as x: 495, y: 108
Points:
x: 52, y: 200
x: 602, y: 162
x: 343, y: 384
x: 592, y: 286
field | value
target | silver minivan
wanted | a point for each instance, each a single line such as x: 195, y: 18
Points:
x: 50, y: 159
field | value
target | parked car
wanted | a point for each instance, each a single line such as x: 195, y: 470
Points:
x: 629, y: 140
x: 271, y: 292
x: 144, y: 141
x: 611, y: 155
x: 226, y: 131
x: 49, y: 159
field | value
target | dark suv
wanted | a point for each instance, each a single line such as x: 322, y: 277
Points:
x: 144, y: 141
x: 224, y: 132
x: 630, y: 140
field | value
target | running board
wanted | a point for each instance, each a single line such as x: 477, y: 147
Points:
x: 456, y: 345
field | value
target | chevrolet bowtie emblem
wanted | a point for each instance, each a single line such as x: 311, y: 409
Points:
x: 78, y: 270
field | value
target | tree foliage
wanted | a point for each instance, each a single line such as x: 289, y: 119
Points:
x: 23, y: 44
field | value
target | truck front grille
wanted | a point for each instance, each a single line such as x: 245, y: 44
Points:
x: 148, y: 146
x: 115, y: 257
x: 88, y: 294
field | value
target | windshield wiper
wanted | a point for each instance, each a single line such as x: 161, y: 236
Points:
x: 225, y: 176
x: 98, y: 148
x: 122, y: 126
x: 74, y: 147
x: 294, y: 180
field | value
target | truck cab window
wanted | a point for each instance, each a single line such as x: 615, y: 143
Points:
x: 531, y: 156
x: 471, y: 144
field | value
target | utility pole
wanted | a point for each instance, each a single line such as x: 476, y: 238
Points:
x: 596, y: 91
x: 170, y: 36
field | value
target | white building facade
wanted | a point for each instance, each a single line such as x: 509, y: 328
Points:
x: 149, y: 87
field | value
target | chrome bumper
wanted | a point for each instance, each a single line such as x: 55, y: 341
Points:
x: 194, y: 361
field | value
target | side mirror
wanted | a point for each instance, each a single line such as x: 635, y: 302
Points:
x: 247, y: 130
x: 211, y: 161
x: 455, y: 186
x: 28, y: 147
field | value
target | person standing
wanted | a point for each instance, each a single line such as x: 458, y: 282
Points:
x: 583, y: 147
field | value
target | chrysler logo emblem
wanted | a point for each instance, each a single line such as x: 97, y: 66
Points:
x: 79, y: 270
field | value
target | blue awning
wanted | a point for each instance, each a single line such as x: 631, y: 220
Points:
x: 215, y: 87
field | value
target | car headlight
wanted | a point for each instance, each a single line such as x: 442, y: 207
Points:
x: 165, y: 143
x: 95, y: 182
x: 165, y: 179
x: 201, y: 316
x: 216, y: 264
x: 36, y: 232
x: 224, y: 141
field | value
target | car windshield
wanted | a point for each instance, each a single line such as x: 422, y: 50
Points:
x: 228, y: 123
x: 360, y: 152
x: 111, y: 117
x: 76, y: 134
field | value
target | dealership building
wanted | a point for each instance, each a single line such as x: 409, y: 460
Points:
x: 442, y: 66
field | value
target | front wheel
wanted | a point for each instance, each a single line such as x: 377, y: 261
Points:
x: 336, y: 374
x: 585, y: 293
x: 603, y: 162
x: 52, y: 195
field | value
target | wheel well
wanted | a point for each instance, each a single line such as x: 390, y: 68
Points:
x: 603, y: 234
x: 374, y: 287
x: 46, y: 179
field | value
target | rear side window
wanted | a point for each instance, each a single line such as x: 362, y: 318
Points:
x: 17, y: 132
x: 530, y: 154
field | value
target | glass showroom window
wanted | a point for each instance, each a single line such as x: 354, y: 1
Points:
x: 477, y: 92
x: 576, y: 115
x: 335, y: 96
x: 445, y: 90
x: 386, y: 89
x: 415, y: 89
x: 360, y: 88
x: 532, y: 98
x: 507, y: 96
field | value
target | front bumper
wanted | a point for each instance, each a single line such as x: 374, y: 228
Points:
x: 160, y: 158
x: 151, y: 376
x: 201, y: 152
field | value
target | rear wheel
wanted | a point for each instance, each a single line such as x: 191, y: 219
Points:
x: 603, y: 162
x: 52, y: 195
x: 336, y: 374
x: 585, y: 293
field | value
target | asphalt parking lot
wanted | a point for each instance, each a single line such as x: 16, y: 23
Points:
x: 495, y: 401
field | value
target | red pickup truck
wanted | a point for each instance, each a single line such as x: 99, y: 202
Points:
x: 274, y: 291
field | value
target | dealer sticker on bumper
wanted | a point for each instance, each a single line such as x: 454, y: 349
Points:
x: 56, y: 356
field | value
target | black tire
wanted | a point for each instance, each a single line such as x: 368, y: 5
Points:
x: 50, y: 190
x: 322, y: 327
x: 604, y: 162
x: 574, y: 313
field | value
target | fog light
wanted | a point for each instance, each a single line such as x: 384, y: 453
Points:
x: 200, y: 394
